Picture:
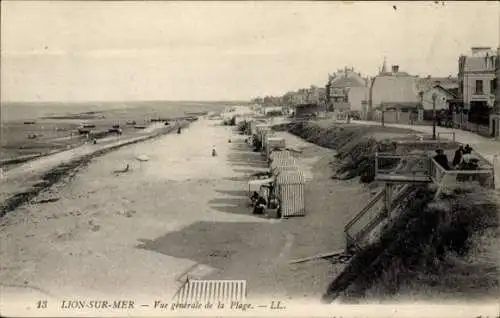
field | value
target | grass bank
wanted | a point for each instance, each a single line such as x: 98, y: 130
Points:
x: 441, y: 249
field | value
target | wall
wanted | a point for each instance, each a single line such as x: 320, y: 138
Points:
x: 304, y: 111
x: 470, y: 87
x: 394, y: 89
x: 441, y: 100
x: 356, y: 95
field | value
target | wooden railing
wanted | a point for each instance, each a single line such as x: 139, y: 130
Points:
x: 442, y: 177
x: 373, y: 213
x: 441, y: 133
x: 367, y: 214
x: 409, y: 164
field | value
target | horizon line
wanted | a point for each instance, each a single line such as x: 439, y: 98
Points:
x: 126, y: 101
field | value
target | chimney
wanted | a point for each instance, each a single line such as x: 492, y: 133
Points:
x: 395, y: 68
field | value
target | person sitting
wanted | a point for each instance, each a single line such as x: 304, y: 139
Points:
x: 469, y: 162
x: 273, y: 202
x: 442, y: 159
x: 458, y: 156
x: 467, y: 149
x: 260, y: 205
x: 254, y: 197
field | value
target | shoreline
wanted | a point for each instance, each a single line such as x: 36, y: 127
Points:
x: 203, y: 226
x: 53, y: 175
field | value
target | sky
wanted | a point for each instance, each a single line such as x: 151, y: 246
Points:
x: 120, y: 51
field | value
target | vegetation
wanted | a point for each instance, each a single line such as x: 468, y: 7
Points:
x: 430, y: 245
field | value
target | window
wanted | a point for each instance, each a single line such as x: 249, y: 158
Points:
x: 479, y: 87
x: 493, y: 86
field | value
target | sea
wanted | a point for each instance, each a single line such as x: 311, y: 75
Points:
x: 22, y: 111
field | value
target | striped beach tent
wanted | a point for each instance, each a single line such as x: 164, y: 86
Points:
x: 281, y: 153
x: 204, y: 291
x: 283, y: 162
x: 290, y: 190
x: 274, y: 143
x: 279, y: 169
x: 266, y: 131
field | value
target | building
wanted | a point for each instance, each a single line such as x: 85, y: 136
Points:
x: 495, y: 116
x: 425, y: 83
x: 477, y: 84
x: 443, y: 98
x: 346, y: 90
x: 316, y: 95
x: 303, y: 111
x: 300, y: 97
x: 395, y: 95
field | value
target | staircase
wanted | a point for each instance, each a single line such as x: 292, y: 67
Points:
x: 371, y: 216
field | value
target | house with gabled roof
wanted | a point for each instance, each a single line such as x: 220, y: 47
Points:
x: 395, y: 94
x: 346, y: 90
x: 444, y: 97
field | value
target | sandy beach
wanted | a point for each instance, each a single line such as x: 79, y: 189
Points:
x: 182, y: 212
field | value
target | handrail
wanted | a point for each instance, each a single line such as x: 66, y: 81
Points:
x: 446, y: 133
x: 391, y: 155
x: 400, y: 194
x: 354, y: 238
x: 370, y: 204
x: 444, y: 171
x: 410, y: 159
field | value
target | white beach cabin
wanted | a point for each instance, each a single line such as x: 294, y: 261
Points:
x: 274, y: 143
x: 291, y: 194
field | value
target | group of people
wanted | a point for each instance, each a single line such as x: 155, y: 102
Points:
x: 260, y: 203
x: 463, y: 159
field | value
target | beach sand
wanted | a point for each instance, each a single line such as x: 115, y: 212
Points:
x: 135, y: 234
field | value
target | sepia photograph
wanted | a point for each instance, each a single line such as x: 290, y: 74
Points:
x: 250, y: 158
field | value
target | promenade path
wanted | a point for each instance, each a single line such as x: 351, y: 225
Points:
x: 486, y: 147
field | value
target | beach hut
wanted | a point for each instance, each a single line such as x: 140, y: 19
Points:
x: 277, y: 156
x: 274, y: 143
x: 290, y: 192
x: 265, y: 132
x: 284, y: 166
x: 253, y: 129
x: 259, y: 128
x: 285, y: 163
x: 280, y: 153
